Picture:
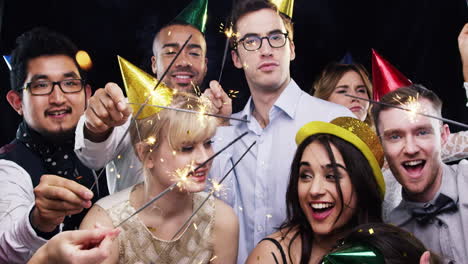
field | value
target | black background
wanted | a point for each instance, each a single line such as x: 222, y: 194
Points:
x: 419, y: 37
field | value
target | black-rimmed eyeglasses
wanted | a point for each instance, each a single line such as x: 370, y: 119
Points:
x: 47, y: 87
x: 253, y: 43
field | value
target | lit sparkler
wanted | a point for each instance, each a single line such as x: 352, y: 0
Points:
x: 411, y: 110
x: 229, y: 32
x: 146, y: 102
x: 172, y: 186
x: 196, y: 112
x: 211, y: 193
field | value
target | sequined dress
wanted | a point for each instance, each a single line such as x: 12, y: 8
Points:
x: 138, y: 245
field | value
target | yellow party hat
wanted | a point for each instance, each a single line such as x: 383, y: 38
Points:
x: 355, y: 132
x: 139, y: 85
x: 285, y: 6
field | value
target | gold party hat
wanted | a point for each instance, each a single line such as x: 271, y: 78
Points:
x: 355, y: 132
x: 285, y: 6
x: 139, y: 85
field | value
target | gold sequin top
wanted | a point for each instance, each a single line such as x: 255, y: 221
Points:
x: 138, y: 245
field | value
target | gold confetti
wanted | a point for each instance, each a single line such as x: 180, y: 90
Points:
x: 162, y: 160
x: 371, y: 231
x: 119, y: 156
x: 174, y: 153
x: 111, y: 170
x: 195, y: 226
x: 213, y: 258
x: 118, y: 176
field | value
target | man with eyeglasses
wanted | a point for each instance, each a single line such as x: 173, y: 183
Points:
x: 44, y: 187
x: 263, y: 48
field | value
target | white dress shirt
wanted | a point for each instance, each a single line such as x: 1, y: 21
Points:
x: 18, y: 240
x: 256, y: 189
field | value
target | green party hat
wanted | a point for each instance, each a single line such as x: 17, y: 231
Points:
x: 358, y: 254
x: 195, y: 14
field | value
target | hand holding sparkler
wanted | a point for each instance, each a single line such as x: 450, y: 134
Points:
x: 106, y: 109
x: 220, y: 100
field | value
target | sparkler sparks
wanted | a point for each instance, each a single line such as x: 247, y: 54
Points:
x: 413, y: 107
x: 171, y: 187
x: 218, y: 189
x: 181, y: 176
x: 229, y: 32
x: 211, y: 193
x: 409, y: 110
x: 196, y: 112
x: 140, y: 110
x: 233, y: 93
x: 151, y: 140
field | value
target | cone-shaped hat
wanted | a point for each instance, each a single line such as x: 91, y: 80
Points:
x: 285, y: 6
x: 195, y: 14
x: 385, y: 77
x: 354, y: 255
x: 139, y: 85
x: 347, y: 59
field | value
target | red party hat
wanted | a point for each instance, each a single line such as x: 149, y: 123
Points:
x: 385, y: 77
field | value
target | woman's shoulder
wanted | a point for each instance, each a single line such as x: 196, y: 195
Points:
x: 116, y: 198
x: 224, y: 214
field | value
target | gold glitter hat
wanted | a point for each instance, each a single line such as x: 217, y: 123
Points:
x: 356, y: 132
x: 285, y: 6
x: 139, y: 86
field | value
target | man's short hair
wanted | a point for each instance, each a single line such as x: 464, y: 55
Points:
x: 405, y: 95
x: 33, y: 44
x: 174, y: 23
x: 248, y: 6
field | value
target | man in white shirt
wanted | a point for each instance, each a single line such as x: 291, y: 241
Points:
x: 263, y: 48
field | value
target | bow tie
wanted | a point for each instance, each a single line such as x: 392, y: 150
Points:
x: 442, y: 204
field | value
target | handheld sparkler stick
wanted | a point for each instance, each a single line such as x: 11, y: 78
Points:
x: 410, y: 110
x: 146, y: 101
x: 221, y: 150
x: 211, y: 193
x: 157, y: 197
x: 172, y: 186
x: 195, y: 112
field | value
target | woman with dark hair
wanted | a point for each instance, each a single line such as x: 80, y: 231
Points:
x: 380, y: 243
x: 338, y: 80
x: 335, y: 184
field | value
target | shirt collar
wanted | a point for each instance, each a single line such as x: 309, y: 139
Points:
x: 448, y: 187
x: 287, y: 101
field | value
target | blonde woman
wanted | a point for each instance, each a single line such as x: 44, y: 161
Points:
x: 169, y: 144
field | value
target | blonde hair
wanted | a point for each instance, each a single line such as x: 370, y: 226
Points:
x: 176, y: 127
x: 332, y: 74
